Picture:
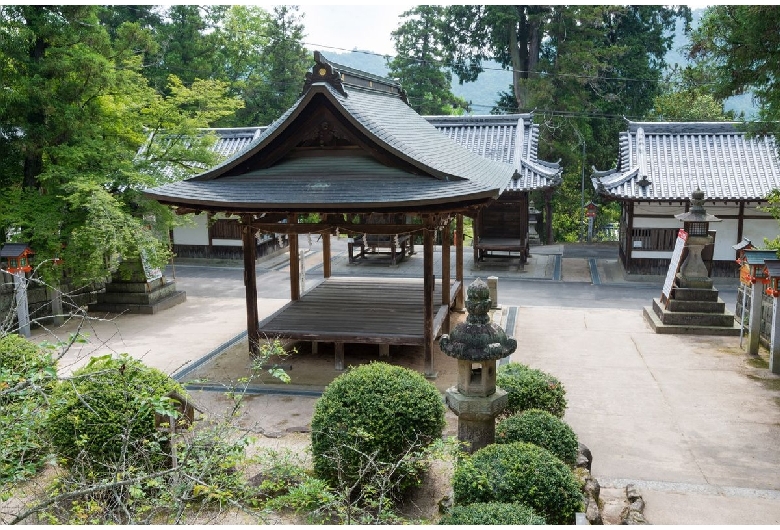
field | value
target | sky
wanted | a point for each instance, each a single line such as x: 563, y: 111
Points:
x: 361, y: 26
x: 347, y: 27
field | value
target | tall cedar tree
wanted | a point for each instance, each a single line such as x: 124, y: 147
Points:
x: 579, y: 67
x: 418, y: 63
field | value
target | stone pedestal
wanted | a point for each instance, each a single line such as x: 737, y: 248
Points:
x: 476, y: 416
x: 130, y: 292
x: 693, y: 272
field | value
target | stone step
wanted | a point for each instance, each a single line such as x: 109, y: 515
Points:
x: 725, y: 319
x: 697, y: 306
x: 177, y: 297
x: 661, y: 328
x: 697, y: 295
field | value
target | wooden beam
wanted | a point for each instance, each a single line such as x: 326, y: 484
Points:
x: 343, y: 226
x: 428, y: 287
x: 326, y: 269
x: 295, y: 264
x: 250, y: 286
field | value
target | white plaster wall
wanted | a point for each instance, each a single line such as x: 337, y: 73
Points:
x: 758, y: 229
x: 197, y: 234
x: 226, y: 242
x: 645, y: 254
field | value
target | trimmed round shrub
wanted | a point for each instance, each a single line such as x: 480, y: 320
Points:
x: 529, y: 388
x: 27, y: 374
x: 370, y: 419
x: 540, y: 428
x: 519, y: 472
x: 503, y: 513
x: 103, y: 418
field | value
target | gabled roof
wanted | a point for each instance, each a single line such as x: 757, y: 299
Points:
x: 511, y: 138
x: 669, y: 160
x: 349, y: 143
x: 12, y: 250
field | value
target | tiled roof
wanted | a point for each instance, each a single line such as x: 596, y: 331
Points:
x: 512, y: 139
x: 504, y: 138
x: 442, y: 171
x: 669, y: 160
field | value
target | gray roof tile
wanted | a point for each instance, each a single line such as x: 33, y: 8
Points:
x: 674, y: 158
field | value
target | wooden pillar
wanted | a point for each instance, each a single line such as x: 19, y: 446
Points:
x: 339, y: 348
x: 741, y: 221
x: 250, y: 285
x: 445, y: 275
x: 548, y: 215
x: 326, y: 271
x: 459, y: 300
x: 445, y: 265
x: 627, y: 266
x: 295, y: 264
x: 428, y: 286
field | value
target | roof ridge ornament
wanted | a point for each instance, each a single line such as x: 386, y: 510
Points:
x: 323, y: 72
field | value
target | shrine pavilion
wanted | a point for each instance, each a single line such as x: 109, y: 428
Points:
x: 350, y: 147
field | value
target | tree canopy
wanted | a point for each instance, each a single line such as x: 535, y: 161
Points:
x: 98, y: 103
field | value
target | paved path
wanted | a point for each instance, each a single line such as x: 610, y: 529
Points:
x: 687, y: 420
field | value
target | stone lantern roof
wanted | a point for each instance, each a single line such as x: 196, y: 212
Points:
x: 478, y: 339
x: 697, y: 214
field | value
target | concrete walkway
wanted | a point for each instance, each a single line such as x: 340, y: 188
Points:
x: 687, y: 419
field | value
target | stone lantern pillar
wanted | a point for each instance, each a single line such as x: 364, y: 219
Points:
x: 693, y: 272
x: 477, y: 344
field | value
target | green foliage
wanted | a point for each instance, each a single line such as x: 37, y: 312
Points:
x: 376, y: 419
x: 418, y: 63
x: 519, y: 473
x: 543, y: 429
x: 27, y: 374
x: 102, y: 419
x: 481, y: 513
x: 529, y: 388
x: 737, y: 46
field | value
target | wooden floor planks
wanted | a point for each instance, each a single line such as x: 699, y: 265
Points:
x: 356, y: 310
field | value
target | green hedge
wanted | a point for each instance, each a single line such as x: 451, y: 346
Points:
x: 540, y: 428
x: 519, y: 472
x: 374, y: 413
x: 503, y: 513
x: 27, y: 374
x: 529, y: 388
x: 103, y: 418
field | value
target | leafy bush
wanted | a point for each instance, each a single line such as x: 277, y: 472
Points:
x: 529, y: 388
x: 103, y: 418
x: 502, y: 513
x: 373, y: 423
x: 27, y: 374
x: 522, y: 473
x: 540, y: 428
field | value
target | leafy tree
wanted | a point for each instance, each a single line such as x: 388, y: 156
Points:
x: 75, y: 109
x: 582, y: 67
x: 739, y: 45
x: 418, y: 61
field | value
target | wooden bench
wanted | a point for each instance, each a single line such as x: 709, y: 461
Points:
x: 395, y: 244
x: 502, y: 227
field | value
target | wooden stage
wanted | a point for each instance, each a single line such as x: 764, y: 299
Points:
x: 359, y: 310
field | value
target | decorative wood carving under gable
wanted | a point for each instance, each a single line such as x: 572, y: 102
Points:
x: 326, y: 134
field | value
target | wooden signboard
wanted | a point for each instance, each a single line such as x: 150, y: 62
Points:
x: 674, y: 266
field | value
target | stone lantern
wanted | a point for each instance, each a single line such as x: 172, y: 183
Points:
x: 477, y: 344
x: 693, y: 272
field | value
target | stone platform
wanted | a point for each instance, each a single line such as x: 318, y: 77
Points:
x: 692, y: 312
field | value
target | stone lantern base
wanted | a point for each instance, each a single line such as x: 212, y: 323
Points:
x: 476, y: 416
